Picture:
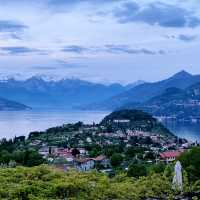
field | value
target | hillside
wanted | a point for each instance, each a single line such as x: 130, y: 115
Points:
x: 6, y: 105
x: 182, y: 104
x: 135, y: 120
x: 70, y: 93
x: 146, y: 91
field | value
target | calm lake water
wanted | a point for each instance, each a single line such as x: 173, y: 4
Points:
x: 23, y: 122
x: 190, y: 131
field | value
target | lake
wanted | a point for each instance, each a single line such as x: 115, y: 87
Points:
x: 23, y: 122
x: 190, y: 131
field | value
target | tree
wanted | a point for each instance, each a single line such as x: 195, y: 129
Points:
x: 75, y: 152
x: 136, y: 170
x: 116, y: 159
x: 32, y: 158
x: 19, y: 156
x: 157, y: 168
x: 5, y: 157
x: 130, y: 152
x: 191, y: 162
x: 150, y: 156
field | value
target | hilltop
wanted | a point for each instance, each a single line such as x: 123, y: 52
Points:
x: 146, y: 91
x: 135, y: 120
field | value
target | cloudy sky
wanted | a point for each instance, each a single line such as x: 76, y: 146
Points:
x: 99, y: 40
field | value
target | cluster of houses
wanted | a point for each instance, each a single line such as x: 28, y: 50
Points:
x: 73, y: 158
x: 166, y: 143
x: 79, y: 159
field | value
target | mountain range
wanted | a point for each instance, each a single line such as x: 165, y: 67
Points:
x: 144, y: 92
x: 68, y: 93
x: 157, y: 98
x: 181, y: 104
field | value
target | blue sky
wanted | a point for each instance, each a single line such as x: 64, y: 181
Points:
x: 99, y: 40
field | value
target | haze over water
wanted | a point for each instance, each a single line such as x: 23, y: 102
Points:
x: 23, y: 122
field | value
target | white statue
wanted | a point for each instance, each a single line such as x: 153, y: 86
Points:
x: 178, y: 179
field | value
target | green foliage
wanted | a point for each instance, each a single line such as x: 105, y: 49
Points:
x: 47, y: 183
x: 26, y: 157
x: 169, y: 171
x: 157, y: 168
x: 109, y: 150
x: 116, y: 159
x: 191, y: 163
x: 138, y: 120
x: 137, y: 170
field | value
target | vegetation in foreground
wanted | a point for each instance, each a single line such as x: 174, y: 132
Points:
x: 44, y: 182
x: 47, y: 183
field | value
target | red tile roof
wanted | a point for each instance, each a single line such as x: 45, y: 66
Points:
x: 99, y: 158
x: 170, y: 154
x: 83, y: 160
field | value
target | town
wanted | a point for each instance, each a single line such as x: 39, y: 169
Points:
x: 113, y: 144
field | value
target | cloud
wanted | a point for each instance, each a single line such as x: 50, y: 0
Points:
x: 128, y: 50
x: 11, y: 26
x: 20, y: 50
x: 67, y: 64
x: 182, y: 37
x: 156, y: 13
x: 68, y: 5
x: 187, y: 38
x: 12, y: 29
x: 111, y: 49
x: 75, y: 49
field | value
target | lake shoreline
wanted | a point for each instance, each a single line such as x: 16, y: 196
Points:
x: 16, y: 123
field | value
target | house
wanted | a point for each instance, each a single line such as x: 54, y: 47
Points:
x: 82, y: 151
x: 169, y: 156
x: 84, y: 164
x: 66, y: 154
x: 102, y: 160
x: 44, y: 151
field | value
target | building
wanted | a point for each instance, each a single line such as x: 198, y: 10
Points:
x: 44, y: 151
x: 102, y: 160
x: 170, y: 156
x: 84, y: 164
x: 82, y: 151
x: 66, y: 154
x: 121, y: 120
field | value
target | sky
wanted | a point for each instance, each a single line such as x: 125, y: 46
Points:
x: 99, y: 40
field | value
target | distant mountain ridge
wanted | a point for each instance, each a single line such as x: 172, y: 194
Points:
x: 69, y: 93
x: 146, y: 91
x: 7, y: 105
x: 181, y: 104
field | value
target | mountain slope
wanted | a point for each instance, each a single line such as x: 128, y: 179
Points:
x: 69, y: 92
x: 135, y: 120
x: 147, y: 91
x: 181, y: 104
x: 6, y: 105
